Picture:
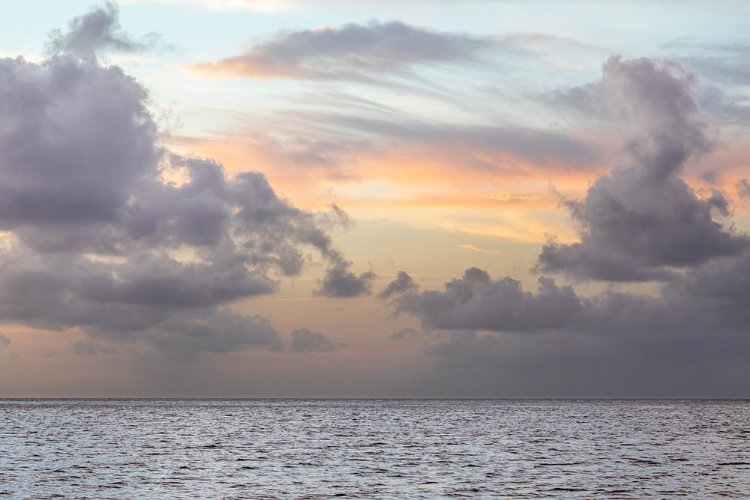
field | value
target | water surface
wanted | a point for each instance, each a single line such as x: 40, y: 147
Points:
x: 373, y: 449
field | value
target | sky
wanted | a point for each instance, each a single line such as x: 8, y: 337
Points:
x: 427, y: 198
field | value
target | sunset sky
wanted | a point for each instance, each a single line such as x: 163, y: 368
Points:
x: 428, y: 198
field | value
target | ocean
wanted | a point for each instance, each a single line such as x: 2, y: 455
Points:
x: 295, y: 448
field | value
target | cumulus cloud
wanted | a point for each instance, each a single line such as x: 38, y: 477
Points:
x: 642, y: 221
x: 402, y: 283
x: 711, y: 299
x: 475, y: 301
x: 304, y: 340
x: 340, y: 282
x: 349, y: 52
x: 99, y: 239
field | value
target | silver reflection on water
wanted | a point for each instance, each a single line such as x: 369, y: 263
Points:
x: 373, y: 449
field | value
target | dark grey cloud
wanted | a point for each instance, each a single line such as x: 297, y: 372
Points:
x: 304, y: 340
x: 476, y: 302
x: 95, y: 31
x: 693, y: 330
x: 554, y: 365
x: 99, y: 241
x: 359, y: 52
x: 340, y: 282
x: 215, y: 331
x: 642, y: 221
x: 402, y: 283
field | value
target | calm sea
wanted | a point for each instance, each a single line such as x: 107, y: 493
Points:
x: 183, y: 449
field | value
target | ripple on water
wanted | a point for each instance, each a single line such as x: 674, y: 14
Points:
x: 373, y: 449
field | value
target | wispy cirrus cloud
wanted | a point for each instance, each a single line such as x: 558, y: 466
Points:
x: 357, y: 52
x: 723, y: 62
x: 269, y: 5
x: 97, y: 31
x: 219, y: 5
x: 473, y: 248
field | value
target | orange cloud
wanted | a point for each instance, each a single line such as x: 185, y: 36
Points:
x: 472, y: 248
x: 424, y: 188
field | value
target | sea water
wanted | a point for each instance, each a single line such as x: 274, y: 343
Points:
x: 240, y: 449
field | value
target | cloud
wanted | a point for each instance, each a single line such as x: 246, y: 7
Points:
x: 265, y: 5
x: 254, y: 5
x: 730, y: 69
x: 85, y: 347
x: 100, y: 239
x: 467, y: 143
x: 402, y: 283
x: 98, y: 30
x: 304, y: 340
x: 404, y: 333
x: 553, y: 365
x: 348, y: 53
x: 696, y: 324
x: 475, y: 301
x: 743, y: 188
x: 337, y: 134
x: 726, y: 107
x: 476, y: 249
x: 4, y: 341
x: 642, y: 221
x: 218, y: 331
x: 340, y: 282
x: 722, y: 62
